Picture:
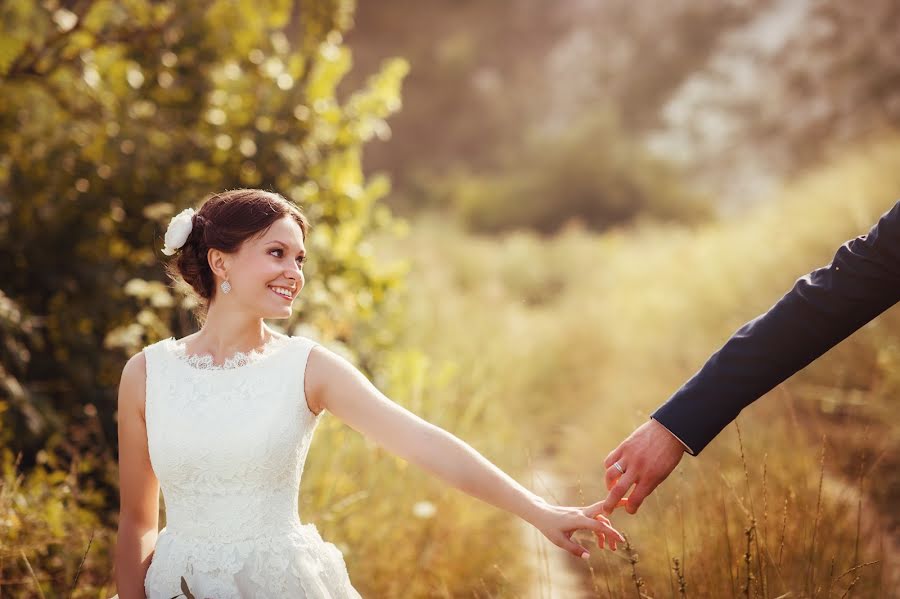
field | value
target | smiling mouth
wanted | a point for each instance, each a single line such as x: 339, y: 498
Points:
x: 288, y: 298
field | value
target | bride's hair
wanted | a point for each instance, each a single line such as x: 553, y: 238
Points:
x: 223, y: 222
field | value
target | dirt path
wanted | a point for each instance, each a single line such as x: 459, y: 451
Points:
x: 556, y: 573
x: 874, y: 527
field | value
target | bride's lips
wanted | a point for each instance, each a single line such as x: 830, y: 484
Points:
x: 287, y: 299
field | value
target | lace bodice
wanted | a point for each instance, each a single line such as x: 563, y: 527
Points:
x: 228, y: 444
x: 237, y: 360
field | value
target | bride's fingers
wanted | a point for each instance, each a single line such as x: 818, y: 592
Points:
x: 601, y: 526
x: 593, y: 510
x: 598, y: 523
x: 606, y: 540
x: 611, y: 540
x: 571, y: 546
x: 613, y: 535
x: 596, y: 509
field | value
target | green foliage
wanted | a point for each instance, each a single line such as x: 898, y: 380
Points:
x: 592, y: 174
x: 49, y: 520
x: 117, y: 115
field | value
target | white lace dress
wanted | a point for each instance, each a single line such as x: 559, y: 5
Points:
x: 228, y: 444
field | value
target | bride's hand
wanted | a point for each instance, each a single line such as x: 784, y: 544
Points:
x: 559, y: 523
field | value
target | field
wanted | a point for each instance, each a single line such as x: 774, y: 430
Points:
x: 562, y: 346
x: 543, y: 353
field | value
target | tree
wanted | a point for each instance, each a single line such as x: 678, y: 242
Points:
x: 796, y: 87
x: 487, y: 77
x: 117, y: 115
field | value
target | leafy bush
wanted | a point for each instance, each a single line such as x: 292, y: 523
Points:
x: 116, y: 116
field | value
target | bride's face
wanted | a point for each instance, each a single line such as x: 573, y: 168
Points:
x: 266, y: 272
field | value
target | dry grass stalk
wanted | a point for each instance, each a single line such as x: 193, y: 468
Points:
x: 810, y: 569
x: 850, y: 588
x: 748, y: 555
x: 80, y: 565
x: 783, y: 529
x: 633, y: 559
x: 37, y: 582
x: 679, y: 575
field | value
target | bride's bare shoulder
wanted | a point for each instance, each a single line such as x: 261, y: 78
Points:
x: 132, y: 384
x: 136, y: 365
x: 325, y: 366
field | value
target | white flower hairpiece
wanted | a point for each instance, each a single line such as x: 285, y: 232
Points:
x: 179, y: 228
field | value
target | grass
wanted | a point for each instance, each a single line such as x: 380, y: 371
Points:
x: 588, y: 334
x: 557, y: 348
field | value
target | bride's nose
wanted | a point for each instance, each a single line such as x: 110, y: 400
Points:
x: 295, y: 275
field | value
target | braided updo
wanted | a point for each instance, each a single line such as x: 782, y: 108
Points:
x: 223, y: 222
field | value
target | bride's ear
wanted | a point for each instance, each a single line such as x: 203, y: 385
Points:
x: 218, y: 262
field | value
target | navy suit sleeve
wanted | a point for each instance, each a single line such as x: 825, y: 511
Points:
x: 823, y: 308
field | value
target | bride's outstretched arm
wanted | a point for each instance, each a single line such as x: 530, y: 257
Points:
x: 334, y: 384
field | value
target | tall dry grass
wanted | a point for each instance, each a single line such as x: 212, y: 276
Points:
x: 553, y: 350
x: 580, y: 337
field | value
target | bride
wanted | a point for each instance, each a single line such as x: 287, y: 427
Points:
x: 221, y: 421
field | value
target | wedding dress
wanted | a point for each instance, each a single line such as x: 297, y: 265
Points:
x: 228, y: 443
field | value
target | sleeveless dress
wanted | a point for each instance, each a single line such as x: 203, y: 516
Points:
x: 228, y: 443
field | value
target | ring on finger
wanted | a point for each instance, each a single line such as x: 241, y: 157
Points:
x: 618, y: 467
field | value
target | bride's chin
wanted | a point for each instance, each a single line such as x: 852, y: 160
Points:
x: 283, y: 313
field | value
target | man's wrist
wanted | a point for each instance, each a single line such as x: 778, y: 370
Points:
x: 668, y: 430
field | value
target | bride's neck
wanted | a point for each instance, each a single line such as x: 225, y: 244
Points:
x: 225, y: 332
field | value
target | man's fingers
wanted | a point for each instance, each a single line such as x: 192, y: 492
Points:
x: 614, y: 455
x: 612, y: 475
x: 618, y: 491
x: 636, y: 498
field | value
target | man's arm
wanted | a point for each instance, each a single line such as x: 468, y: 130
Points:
x: 823, y: 308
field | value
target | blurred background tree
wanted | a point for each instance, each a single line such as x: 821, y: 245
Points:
x: 497, y: 91
x: 117, y: 115
x: 737, y: 96
x: 796, y: 86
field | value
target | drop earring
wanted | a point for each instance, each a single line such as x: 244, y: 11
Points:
x: 226, y: 286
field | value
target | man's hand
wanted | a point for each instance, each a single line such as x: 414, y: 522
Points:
x: 647, y: 457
